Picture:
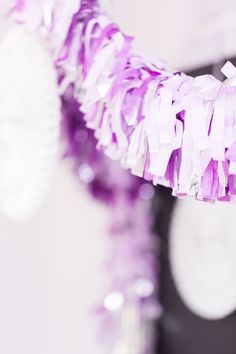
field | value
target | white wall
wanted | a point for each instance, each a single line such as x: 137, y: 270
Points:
x: 185, y: 33
x: 49, y: 276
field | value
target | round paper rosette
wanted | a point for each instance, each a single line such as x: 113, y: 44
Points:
x: 202, y: 256
x: 29, y: 122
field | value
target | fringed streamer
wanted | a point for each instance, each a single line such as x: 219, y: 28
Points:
x: 129, y: 308
x: 111, y: 109
x: 165, y: 126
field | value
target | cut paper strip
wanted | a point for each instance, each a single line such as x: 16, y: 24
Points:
x: 29, y: 122
x: 202, y: 250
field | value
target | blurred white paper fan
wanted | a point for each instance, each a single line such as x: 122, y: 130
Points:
x: 203, y: 256
x: 29, y: 122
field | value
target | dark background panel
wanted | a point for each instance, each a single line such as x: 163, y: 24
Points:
x: 180, y: 331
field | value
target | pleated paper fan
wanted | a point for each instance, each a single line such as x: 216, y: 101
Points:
x: 202, y: 256
x: 29, y: 122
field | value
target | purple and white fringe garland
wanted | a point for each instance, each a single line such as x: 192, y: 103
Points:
x: 129, y: 310
x: 165, y: 126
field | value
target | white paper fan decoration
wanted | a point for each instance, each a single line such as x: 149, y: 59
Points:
x: 29, y: 122
x: 203, y: 256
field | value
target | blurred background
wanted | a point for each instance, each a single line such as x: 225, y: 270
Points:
x: 49, y: 278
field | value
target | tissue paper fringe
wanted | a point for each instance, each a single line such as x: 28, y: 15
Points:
x: 133, y: 267
x: 167, y: 127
